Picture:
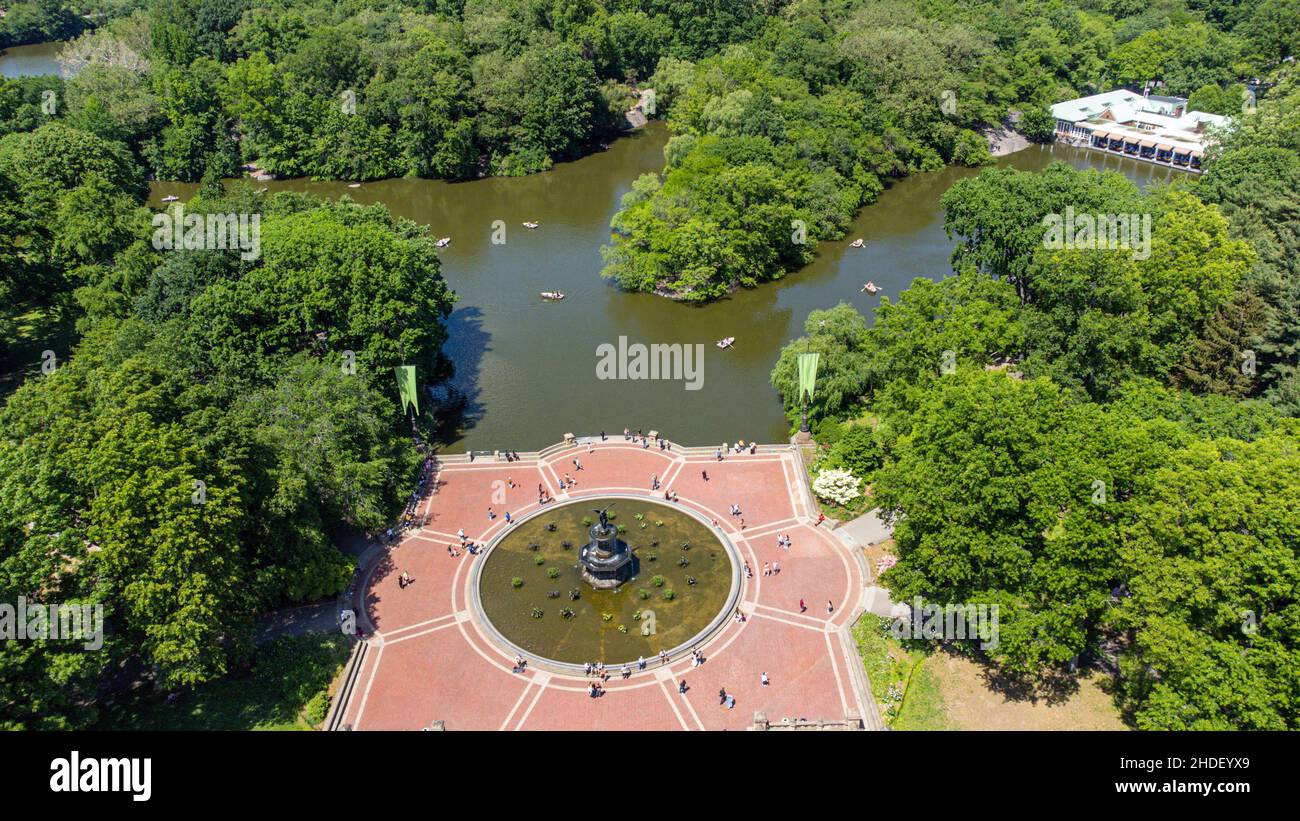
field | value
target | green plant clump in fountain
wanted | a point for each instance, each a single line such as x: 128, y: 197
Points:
x: 596, y: 624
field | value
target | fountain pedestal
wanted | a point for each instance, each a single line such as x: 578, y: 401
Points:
x: 607, y: 561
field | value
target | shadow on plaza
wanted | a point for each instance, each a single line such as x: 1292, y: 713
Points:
x: 384, y: 567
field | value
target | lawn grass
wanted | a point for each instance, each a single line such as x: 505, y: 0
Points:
x: 287, y: 675
x: 908, y: 693
x: 918, y: 689
x: 923, y: 706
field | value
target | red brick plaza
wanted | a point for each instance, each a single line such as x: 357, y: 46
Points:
x: 429, y: 659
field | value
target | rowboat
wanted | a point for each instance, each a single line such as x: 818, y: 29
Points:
x: 552, y: 295
x: 171, y: 198
x: 444, y: 242
x: 727, y: 342
x: 870, y: 288
x: 857, y: 243
x: 531, y: 224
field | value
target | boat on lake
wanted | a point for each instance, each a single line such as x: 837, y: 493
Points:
x: 444, y: 242
x: 858, y: 243
x: 727, y: 342
x: 870, y: 288
x: 556, y: 295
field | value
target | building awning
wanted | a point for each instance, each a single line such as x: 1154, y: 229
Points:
x: 1131, y: 141
x: 1163, y: 147
x: 1196, y: 153
x: 1102, y: 134
x: 1148, y: 144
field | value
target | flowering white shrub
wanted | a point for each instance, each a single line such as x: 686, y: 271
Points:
x: 838, y: 486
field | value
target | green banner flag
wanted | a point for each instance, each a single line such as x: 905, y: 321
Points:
x: 807, y: 373
x: 406, y: 386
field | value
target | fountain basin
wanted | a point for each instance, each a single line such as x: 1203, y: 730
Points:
x: 666, y: 585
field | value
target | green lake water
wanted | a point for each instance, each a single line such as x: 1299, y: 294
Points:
x: 30, y: 61
x: 528, y: 367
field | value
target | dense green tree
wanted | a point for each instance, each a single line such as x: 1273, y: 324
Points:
x: 38, y: 21
x: 186, y: 486
x: 999, y: 215
x: 839, y: 336
x: 1210, y: 564
x: 337, y: 277
x: 992, y: 495
x: 1221, y: 359
x: 1255, y: 179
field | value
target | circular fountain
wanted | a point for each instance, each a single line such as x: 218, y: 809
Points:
x: 567, y: 587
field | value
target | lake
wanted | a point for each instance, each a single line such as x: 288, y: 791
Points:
x: 529, y: 367
x: 30, y: 61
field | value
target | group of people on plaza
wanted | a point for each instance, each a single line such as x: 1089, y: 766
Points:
x: 644, y: 439
x: 738, y: 447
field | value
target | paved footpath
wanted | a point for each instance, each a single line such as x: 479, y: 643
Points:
x: 430, y: 660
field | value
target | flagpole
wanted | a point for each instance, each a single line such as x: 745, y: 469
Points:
x: 803, y: 395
